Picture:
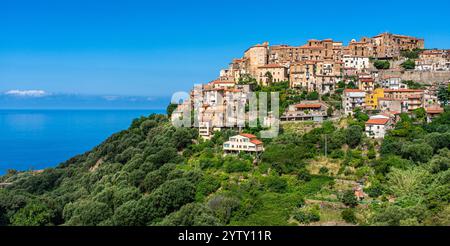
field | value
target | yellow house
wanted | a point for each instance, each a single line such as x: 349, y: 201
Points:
x: 372, y: 98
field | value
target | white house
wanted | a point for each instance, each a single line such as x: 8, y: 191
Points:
x: 357, y: 62
x: 353, y: 98
x: 377, y: 126
x: 394, y: 83
x: 243, y: 142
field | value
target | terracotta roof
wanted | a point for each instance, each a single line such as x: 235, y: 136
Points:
x: 353, y: 90
x: 366, y: 80
x: 377, y: 121
x: 434, y: 110
x: 389, y: 99
x: 310, y: 105
x: 248, y: 135
x: 414, y: 96
x: 256, y: 141
x: 273, y: 65
x: 403, y: 90
x: 222, y: 82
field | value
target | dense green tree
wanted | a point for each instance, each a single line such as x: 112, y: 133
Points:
x: 276, y: 184
x: 129, y: 214
x: 348, y: 215
x: 314, y: 95
x: 409, y: 64
x: 418, y: 152
x: 349, y: 199
x: 443, y: 95
x: 170, y: 196
x: 353, y: 135
x: 304, y: 175
x: 86, y: 212
x: 152, y: 181
x: 223, y: 207
x: 192, y: 214
x: 381, y: 64
x: 170, y: 108
x: 33, y: 214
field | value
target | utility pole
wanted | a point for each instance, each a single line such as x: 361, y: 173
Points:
x: 326, y: 150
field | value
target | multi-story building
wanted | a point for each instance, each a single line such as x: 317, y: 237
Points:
x: 243, y: 142
x: 306, y: 111
x: 388, y: 45
x: 433, y: 60
x: 391, y: 105
x: 301, y: 74
x: 359, y: 63
x: 353, y: 98
x: 321, y: 76
x: 412, y: 98
x: 255, y: 57
x: 270, y: 73
x: 361, y: 48
x: 372, y: 98
x: 393, y: 82
x: 366, y: 84
x: 314, y: 50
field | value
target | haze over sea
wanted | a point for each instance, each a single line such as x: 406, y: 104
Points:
x: 36, y: 139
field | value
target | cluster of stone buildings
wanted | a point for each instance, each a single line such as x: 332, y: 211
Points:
x: 433, y: 60
x: 318, y: 65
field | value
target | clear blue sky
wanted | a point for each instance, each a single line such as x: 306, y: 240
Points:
x: 155, y: 48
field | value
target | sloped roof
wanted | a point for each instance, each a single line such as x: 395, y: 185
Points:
x: 378, y: 121
x: 248, y: 135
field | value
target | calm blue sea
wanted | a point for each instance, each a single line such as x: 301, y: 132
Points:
x: 36, y: 139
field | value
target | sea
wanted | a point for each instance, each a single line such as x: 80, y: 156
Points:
x: 37, y: 139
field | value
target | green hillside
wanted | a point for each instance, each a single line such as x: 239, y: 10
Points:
x: 155, y: 174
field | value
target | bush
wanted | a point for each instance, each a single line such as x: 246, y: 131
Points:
x: 192, y: 214
x: 233, y: 165
x: 409, y: 64
x: 349, y: 199
x: 323, y: 170
x: 348, y: 215
x: 304, y: 175
x: 353, y: 135
x: 276, y: 184
x: 382, y: 64
x: 307, y: 215
x: 33, y: 214
x: 418, y: 152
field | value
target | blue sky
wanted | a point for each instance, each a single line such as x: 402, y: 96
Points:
x: 151, y: 48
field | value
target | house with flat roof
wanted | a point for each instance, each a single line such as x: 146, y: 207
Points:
x: 353, y: 98
x: 306, y: 111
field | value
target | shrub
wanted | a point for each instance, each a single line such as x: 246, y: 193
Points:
x: 381, y: 64
x: 236, y: 165
x: 276, y: 184
x: 323, y: 170
x: 349, y: 199
x: 307, y: 215
x: 304, y: 175
x: 348, y: 215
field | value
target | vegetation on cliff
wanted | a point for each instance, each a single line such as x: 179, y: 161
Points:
x: 155, y: 174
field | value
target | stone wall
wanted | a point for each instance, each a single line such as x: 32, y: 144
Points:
x: 426, y: 77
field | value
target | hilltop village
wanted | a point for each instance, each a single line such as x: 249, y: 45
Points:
x: 383, y: 76
x: 363, y: 139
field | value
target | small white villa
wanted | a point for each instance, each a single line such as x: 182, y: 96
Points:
x: 377, y: 126
x: 243, y: 142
